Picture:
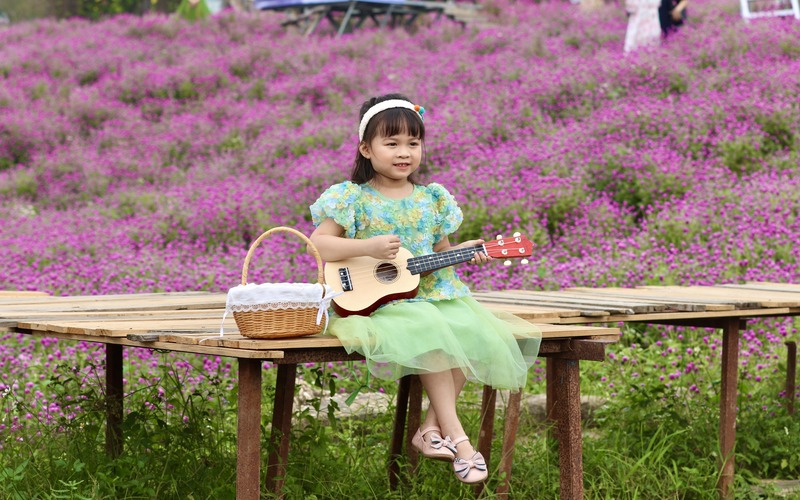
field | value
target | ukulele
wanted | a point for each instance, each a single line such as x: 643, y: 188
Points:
x: 362, y: 284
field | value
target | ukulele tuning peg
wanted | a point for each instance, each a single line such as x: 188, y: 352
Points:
x: 523, y: 261
x: 507, y: 263
x: 499, y: 237
x: 517, y: 234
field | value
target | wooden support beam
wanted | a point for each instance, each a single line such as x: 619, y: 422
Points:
x: 281, y: 427
x: 727, y: 405
x: 414, y: 420
x: 488, y: 405
x: 567, y: 411
x: 248, y: 432
x: 114, y: 395
x: 509, y: 440
x: 400, y: 413
x: 791, y: 375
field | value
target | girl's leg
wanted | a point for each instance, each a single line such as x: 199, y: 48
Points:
x: 442, y: 392
x: 459, y: 379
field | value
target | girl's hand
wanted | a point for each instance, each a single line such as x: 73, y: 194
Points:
x: 480, y: 257
x: 384, y: 246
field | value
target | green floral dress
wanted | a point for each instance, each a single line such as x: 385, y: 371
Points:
x: 441, y: 328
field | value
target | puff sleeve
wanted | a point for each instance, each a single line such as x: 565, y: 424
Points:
x: 338, y: 202
x: 448, y: 213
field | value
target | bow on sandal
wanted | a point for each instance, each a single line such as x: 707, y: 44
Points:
x: 438, y: 448
x: 471, y: 470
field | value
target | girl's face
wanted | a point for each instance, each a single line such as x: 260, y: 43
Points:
x: 393, y: 158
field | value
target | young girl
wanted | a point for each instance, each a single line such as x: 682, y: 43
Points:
x: 442, y: 334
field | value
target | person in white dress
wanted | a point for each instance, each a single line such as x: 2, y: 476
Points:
x: 644, y: 28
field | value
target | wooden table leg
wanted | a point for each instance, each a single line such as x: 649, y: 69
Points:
x: 400, y: 413
x: 114, y: 396
x: 248, y: 434
x: 791, y: 375
x: 551, y: 395
x: 727, y: 405
x: 509, y: 439
x: 488, y: 405
x: 414, y: 420
x: 567, y: 412
x: 281, y: 427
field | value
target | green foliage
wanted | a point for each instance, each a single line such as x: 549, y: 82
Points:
x: 95, y: 9
x: 131, y: 204
x: 750, y: 153
x: 790, y: 48
x: 257, y: 91
x: 18, y: 148
x: 25, y: 185
x: 780, y: 131
x: 232, y: 142
x: 633, y: 180
x: 768, y: 444
x: 740, y: 155
x: 20, y: 10
x: 562, y: 209
x: 172, y: 439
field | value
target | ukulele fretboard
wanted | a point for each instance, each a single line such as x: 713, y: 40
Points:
x: 439, y: 260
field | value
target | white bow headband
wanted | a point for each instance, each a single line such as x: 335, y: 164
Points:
x: 383, y: 106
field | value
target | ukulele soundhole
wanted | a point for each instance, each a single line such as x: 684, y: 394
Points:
x: 386, y: 272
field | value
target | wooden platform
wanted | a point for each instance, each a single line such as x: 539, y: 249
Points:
x: 568, y: 319
x: 190, y: 322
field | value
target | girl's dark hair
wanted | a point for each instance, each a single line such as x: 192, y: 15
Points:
x: 385, y: 124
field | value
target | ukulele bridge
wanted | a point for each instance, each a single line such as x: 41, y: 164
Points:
x: 344, y: 278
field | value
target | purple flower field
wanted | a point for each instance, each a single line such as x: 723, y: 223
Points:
x: 146, y: 154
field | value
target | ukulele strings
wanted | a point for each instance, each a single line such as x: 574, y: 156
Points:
x: 389, y: 272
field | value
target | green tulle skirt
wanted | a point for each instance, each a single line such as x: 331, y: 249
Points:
x: 406, y: 338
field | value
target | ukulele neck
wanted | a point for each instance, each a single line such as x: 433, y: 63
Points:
x: 440, y: 260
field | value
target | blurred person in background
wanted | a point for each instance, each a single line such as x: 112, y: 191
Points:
x: 193, y: 10
x: 644, y: 28
x: 671, y: 15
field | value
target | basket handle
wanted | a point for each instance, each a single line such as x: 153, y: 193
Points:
x: 312, y: 248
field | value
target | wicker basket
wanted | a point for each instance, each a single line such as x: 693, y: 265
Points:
x: 282, y: 323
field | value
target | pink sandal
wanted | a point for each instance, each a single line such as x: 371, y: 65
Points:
x: 439, y: 448
x: 472, y: 470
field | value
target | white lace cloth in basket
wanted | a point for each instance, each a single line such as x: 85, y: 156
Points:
x: 275, y: 296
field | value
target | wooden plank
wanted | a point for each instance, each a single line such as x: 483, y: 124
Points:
x: 207, y: 315
x: 765, y: 297
x: 673, y: 316
x: 22, y: 294
x: 169, y: 346
x: 40, y: 299
x: 93, y: 327
x: 584, y: 299
x: 634, y: 293
x: 535, y: 298
x: 236, y: 340
x: 494, y: 298
x: 532, y: 314
x: 688, y: 303
x: 709, y: 302
x: 774, y: 289
x: 566, y: 331
x: 740, y: 298
x: 788, y: 287
x: 195, y: 300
